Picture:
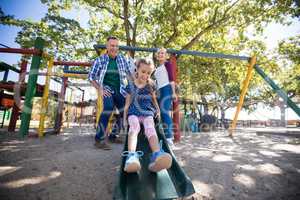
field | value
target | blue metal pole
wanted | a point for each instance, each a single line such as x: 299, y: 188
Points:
x: 179, y: 52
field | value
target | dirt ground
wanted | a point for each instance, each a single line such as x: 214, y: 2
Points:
x: 67, y: 166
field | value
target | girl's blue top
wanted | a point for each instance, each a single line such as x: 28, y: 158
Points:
x: 141, y: 100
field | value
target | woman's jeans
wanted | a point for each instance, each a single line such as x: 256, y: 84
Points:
x: 165, y: 105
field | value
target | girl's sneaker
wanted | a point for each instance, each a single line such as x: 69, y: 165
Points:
x: 160, y: 160
x: 132, y: 163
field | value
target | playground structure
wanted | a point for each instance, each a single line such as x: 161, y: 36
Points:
x: 8, y: 100
x: 252, y: 64
x: 194, y: 119
x: 38, y: 54
x: 32, y: 88
x: 176, y: 183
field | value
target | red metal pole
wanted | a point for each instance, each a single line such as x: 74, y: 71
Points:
x: 176, y: 107
x: 66, y: 63
x: 21, y: 51
x: 37, y: 52
x: 17, y: 98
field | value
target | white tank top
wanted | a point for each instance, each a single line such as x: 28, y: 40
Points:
x: 161, y: 76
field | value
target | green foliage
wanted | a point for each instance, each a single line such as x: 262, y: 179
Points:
x: 202, y: 25
x: 290, y: 51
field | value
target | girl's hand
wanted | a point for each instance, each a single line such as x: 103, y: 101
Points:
x: 125, y: 123
x: 174, y: 97
x: 157, y: 114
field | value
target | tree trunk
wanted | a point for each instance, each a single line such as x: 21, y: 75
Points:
x: 205, y: 105
x: 223, y: 120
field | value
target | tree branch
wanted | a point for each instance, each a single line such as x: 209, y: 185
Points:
x: 111, y: 11
x: 214, y: 23
x: 126, y: 21
x: 174, y: 25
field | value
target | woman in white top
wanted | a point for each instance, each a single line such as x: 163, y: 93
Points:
x: 164, y: 75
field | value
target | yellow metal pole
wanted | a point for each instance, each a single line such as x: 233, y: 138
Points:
x: 243, y: 93
x: 82, y: 76
x: 100, y: 99
x: 99, y: 108
x: 45, y: 99
x: 110, y: 123
x: 46, y: 55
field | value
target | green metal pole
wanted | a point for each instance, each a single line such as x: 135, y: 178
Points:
x: 31, y: 88
x: 279, y: 91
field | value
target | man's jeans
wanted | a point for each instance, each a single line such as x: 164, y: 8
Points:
x: 116, y: 99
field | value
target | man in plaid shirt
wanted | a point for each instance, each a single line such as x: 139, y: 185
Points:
x: 109, y: 75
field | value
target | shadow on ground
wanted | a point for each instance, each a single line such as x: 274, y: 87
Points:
x: 68, y: 166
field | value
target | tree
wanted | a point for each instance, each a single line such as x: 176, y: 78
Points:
x: 206, y: 25
x: 290, y: 51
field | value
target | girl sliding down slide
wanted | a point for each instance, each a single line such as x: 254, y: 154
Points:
x: 141, y: 107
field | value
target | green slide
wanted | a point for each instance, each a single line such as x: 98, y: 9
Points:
x: 145, y: 185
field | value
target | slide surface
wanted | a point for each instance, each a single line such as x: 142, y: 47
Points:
x: 145, y: 185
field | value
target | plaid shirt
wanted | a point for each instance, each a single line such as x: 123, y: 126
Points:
x: 99, y: 68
